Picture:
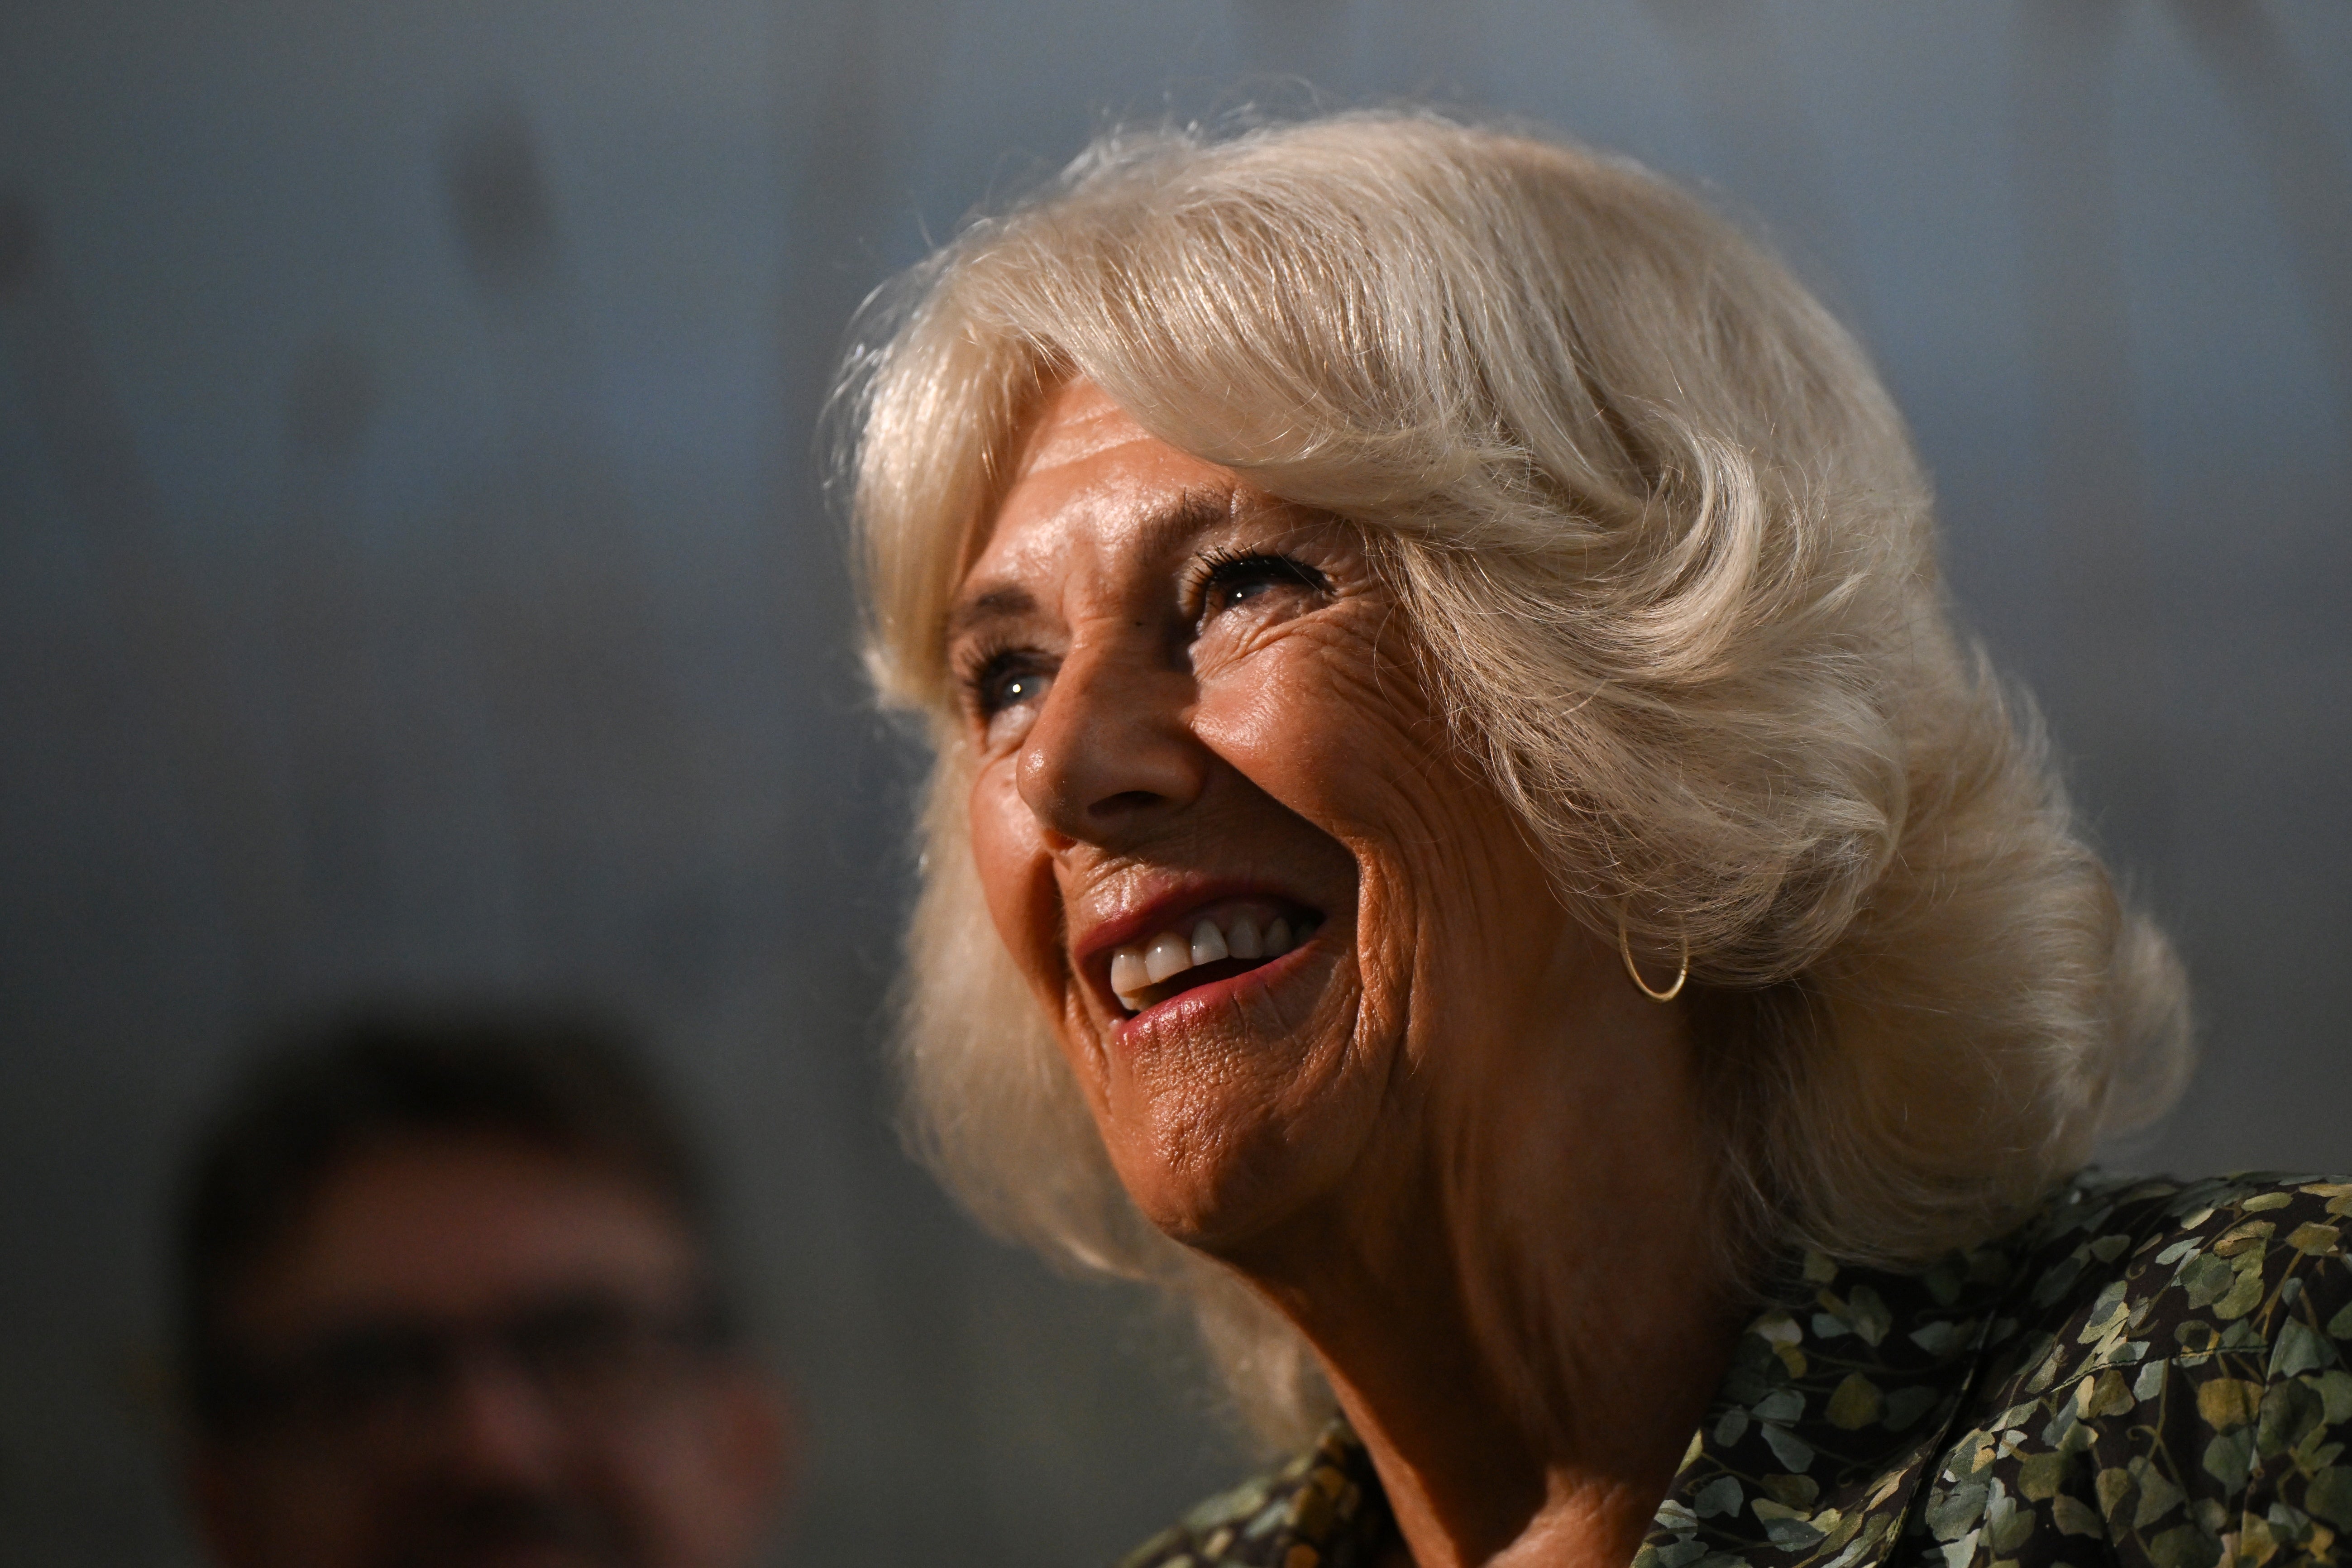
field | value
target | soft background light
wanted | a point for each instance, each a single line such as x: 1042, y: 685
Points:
x: 413, y: 579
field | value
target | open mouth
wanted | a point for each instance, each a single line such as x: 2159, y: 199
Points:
x: 1225, y: 938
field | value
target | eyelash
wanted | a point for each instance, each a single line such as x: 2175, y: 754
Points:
x: 979, y: 669
x: 1216, y: 567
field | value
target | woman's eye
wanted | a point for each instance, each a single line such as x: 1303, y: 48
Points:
x: 1007, y: 681
x: 1229, y: 581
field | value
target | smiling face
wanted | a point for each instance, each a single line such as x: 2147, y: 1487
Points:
x: 1226, y: 838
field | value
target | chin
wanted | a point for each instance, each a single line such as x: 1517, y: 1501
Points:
x: 1232, y: 1111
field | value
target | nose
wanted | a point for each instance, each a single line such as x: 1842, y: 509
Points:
x: 1109, y: 752
x: 498, y: 1425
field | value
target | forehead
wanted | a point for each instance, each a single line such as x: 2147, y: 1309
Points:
x: 461, y: 1227
x: 1088, y: 479
x: 1074, y: 423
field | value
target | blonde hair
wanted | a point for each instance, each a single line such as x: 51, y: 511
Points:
x: 1670, y: 561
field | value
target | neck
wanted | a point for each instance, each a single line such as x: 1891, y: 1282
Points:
x: 1525, y: 1319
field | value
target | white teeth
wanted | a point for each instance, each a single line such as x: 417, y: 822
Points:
x: 1134, y: 970
x: 1128, y: 975
x: 1168, y: 954
x: 1242, y: 940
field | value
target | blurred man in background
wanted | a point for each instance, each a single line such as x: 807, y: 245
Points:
x: 449, y: 1295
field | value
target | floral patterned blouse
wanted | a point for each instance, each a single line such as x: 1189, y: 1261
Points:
x: 2146, y: 1373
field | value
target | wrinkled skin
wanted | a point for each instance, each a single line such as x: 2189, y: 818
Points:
x: 1277, y: 740
x: 1179, y: 693
x: 447, y: 1234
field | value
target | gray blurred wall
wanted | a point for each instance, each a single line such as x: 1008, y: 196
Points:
x: 413, y: 578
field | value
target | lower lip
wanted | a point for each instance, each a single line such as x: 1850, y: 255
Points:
x: 1217, y: 993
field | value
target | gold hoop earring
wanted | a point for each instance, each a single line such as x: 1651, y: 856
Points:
x: 1625, y: 950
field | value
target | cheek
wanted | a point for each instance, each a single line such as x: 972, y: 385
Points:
x: 665, y: 1484
x: 305, y: 1513
x: 1317, y: 717
x: 1344, y: 739
x: 1348, y: 740
x: 1017, y: 877
x: 1344, y: 742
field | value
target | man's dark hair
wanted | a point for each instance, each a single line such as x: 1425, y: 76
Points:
x: 324, y: 1092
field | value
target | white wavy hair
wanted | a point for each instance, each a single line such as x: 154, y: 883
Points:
x: 1670, y: 560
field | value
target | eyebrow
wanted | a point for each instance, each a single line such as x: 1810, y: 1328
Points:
x: 1194, y: 510
x: 1191, y: 512
x: 1003, y: 603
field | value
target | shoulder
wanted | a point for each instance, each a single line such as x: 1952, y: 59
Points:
x: 1326, y: 1501
x: 2116, y: 1274
x: 2170, y: 1380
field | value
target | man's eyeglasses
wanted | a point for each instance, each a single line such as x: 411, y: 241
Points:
x: 588, y: 1359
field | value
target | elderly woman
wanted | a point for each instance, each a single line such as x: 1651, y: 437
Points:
x: 1463, y: 841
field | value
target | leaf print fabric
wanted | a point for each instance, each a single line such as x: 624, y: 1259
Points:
x: 2192, y: 1412
x: 2146, y: 1373
x: 1323, y: 1510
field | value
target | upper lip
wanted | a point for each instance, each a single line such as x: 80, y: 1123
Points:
x: 1165, y: 909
